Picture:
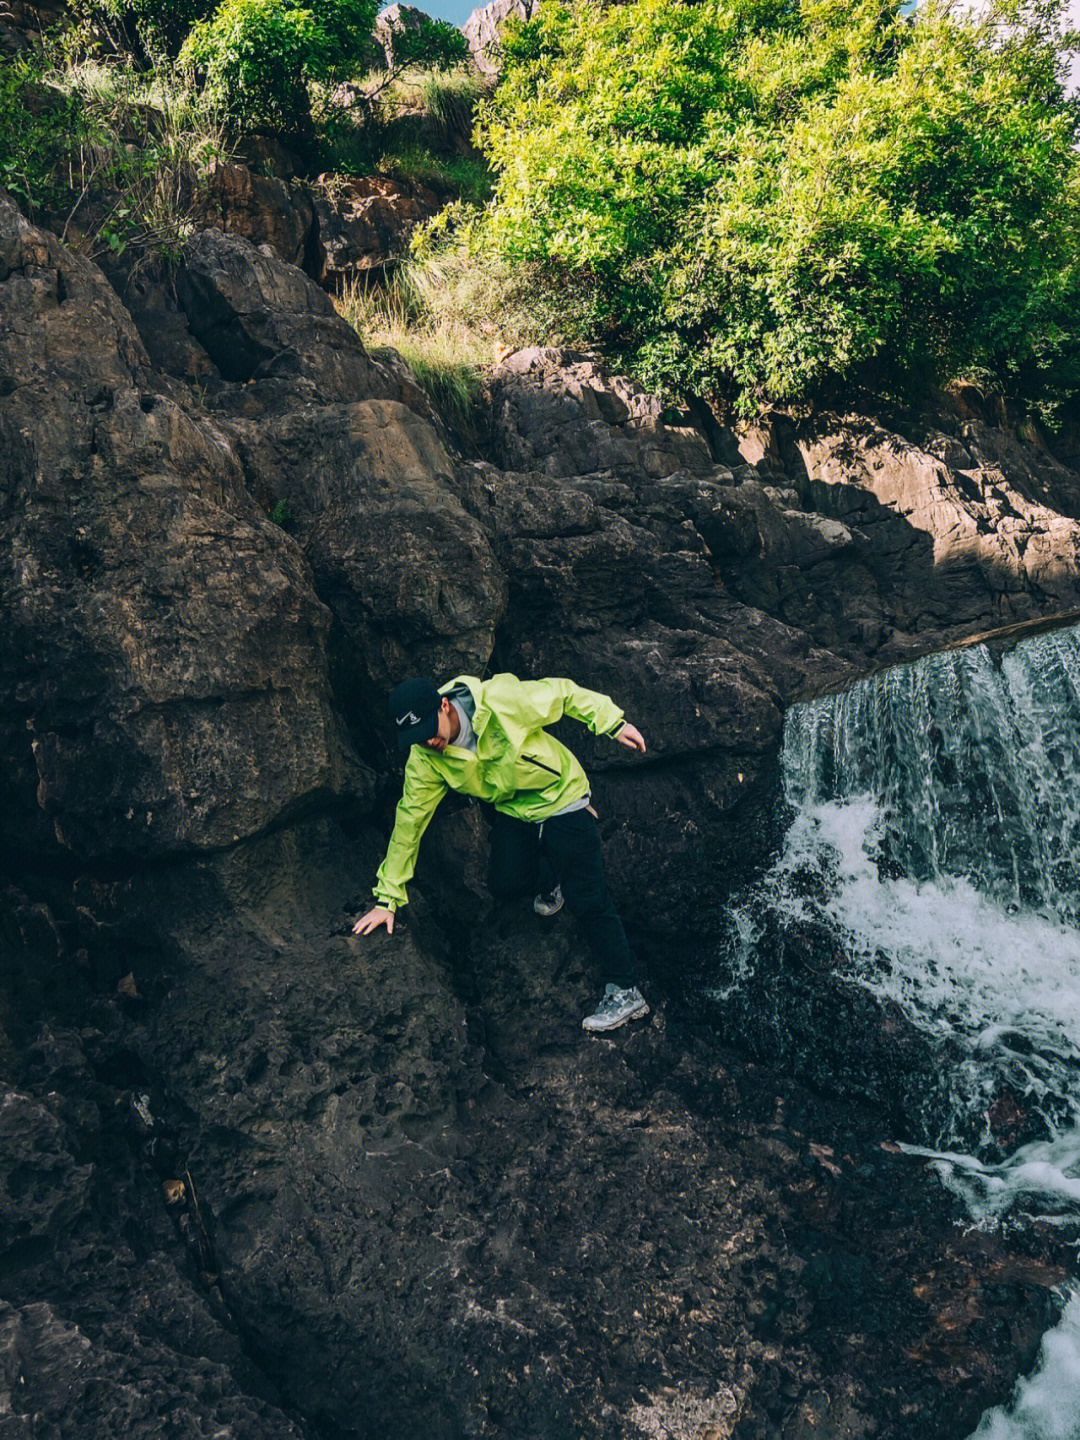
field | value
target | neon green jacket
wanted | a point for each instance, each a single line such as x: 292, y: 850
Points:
x: 518, y: 767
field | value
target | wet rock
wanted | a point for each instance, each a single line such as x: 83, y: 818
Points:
x: 51, y: 1371
x: 425, y: 1176
x: 41, y: 1186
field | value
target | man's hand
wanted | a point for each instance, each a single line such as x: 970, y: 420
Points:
x: 373, y: 919
x: 630, y: 736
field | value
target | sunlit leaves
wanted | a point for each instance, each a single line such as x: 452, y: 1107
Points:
x: 771, y: 198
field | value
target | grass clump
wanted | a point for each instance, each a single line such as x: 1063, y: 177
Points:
x: 413, y: 126
x: 411, y: 314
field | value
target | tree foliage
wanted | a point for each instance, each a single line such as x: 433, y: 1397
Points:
x: 772, y: 197
x: 258, y: 57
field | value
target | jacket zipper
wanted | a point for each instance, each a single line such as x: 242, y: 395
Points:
x: 533, y: 761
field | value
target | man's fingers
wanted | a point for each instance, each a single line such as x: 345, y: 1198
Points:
x: 632, y: 738
x: 372, y: 920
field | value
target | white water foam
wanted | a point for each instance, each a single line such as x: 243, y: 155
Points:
x: 936, y: 833
x: 1003, y: 984
x: 1044, y: 1405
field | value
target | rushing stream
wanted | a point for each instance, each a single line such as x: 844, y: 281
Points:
x: 935, y: 834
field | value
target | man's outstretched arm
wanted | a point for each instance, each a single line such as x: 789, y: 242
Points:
x: 550, y: 699
x: 420, y: 796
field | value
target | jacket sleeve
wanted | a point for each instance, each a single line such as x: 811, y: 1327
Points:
x: 553, y: 698
x: 420, y: 798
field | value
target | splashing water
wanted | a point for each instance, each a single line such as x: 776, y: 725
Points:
x: 936, y: 834
x: 1044, y: 1406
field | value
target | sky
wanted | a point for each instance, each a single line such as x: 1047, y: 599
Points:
x: 458, y: 11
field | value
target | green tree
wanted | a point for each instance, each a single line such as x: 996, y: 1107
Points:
x: 258, y: 57
x: 769, y: 198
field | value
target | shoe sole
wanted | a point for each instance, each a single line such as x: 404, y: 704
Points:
x: 547, y: 914
x: 638, y: 1014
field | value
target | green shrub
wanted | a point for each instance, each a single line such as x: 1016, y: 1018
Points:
x: 426, y: 45
x: 767, y: 199
x: 258, y: 57
x: 38, y: 126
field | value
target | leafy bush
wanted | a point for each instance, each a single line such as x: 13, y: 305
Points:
x: 422, y: 44
x: 258, y: 57
x: 768, y: 198
x: 37, y: 128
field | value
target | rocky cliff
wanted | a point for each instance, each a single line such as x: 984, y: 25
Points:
x: 261, y: 1178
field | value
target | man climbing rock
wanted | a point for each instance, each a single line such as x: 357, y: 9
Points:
x: 487, y: 739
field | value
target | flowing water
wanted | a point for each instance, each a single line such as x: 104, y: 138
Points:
x: 935, y: 834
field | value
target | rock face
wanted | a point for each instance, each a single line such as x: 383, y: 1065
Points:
x: 483, y: 29
x: 409, y: 574
x: 258, y: 319
x: 260, y: 208
x: 283, y: 1178
x: 558, y: 412
x: 158, y: 701
x: 19, y: 21
x: 363, y: 224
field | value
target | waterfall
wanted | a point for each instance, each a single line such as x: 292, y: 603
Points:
x: 935, y: 838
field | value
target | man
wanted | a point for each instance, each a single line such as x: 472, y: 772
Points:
x: 487, y: 739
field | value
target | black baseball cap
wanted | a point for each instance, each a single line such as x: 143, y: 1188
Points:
x: 414, y: 711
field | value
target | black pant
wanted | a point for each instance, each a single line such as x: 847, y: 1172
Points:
x: 528, y: 859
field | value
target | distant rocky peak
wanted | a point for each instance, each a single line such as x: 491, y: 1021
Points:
x: 398, y: 20
x: 483, y: 29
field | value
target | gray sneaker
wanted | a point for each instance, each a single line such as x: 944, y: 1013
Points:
x: 548, y: 905
x: 615, y: 1009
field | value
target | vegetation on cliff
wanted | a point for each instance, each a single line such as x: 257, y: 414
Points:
x: 756, y: 202
x: 108, y: 121
x: 764, y: 200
